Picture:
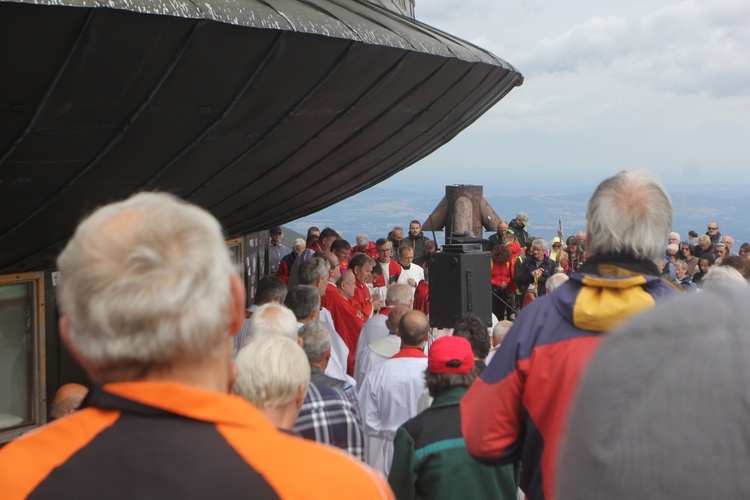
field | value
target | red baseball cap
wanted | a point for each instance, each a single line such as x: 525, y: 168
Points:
x: 450, y: 355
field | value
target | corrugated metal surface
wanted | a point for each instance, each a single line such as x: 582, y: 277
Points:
x: 278, y: 110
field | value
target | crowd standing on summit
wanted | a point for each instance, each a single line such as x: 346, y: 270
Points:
x: 333, y: 384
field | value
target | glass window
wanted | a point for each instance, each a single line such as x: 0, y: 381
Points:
x: 21, y: 353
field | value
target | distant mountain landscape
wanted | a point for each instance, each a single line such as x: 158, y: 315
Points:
x: 377, y: 210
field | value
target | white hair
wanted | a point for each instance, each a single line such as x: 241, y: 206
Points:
x: 500, y: 330
x: 270, y: 372
x: 146, y: 283
x: 718, y: 276
x: 299, y: 245
x: 399, y: 295
x: 540, y: 243
x: 675, y: 236
x: 629, y: 214
x: 316, y: 340
x: 674, y: 247
x: 272, y: 319
x: 554, y: 281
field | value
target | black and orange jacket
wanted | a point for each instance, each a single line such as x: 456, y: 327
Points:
x: 165, y: 440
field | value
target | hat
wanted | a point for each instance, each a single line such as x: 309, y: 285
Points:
x: 522, y: 217
x: 275, y: 230
x: 450, y: 355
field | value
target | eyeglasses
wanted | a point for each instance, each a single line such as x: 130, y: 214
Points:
x: 712, y: 228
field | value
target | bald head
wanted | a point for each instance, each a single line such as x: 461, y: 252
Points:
x: 499, y: 331
x: 67, y: 400
x: 413, y: 328
x: 394, y: 318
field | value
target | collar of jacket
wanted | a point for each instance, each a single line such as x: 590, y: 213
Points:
x: 627, y: 266
x: 449, y: 397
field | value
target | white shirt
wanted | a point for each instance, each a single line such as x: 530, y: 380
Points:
x: 389, y: 397
x: 414, y: 272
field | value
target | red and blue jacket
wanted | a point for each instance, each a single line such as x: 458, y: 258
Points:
x: 517, y: 409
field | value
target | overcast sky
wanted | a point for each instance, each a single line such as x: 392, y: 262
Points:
x: 608, y: 85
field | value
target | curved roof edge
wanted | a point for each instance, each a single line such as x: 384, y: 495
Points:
x: 357, y: 20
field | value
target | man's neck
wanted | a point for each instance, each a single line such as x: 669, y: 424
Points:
x: 215, y: 373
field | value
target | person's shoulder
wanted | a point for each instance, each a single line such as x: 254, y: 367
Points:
x: 318, y: 470
x: 29, y: 459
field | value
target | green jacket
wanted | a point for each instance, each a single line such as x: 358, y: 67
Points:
x: 430, y: 459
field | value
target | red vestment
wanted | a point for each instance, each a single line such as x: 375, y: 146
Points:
x: 348, y: 324
x: 394, y: 271
x: 361, y: 299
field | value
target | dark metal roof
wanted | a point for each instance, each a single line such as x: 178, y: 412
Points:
x: 260, y: 111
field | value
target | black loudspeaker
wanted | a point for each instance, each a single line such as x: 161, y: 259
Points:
x: 463, y: 239
x: 459, y: 284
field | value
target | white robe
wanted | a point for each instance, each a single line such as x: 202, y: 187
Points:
x: 375, y: 355
x: 389, y: 397
x: 339, y: 352
x: 373, y: 329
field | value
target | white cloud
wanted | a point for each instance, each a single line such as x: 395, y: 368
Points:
x: 683, y: 48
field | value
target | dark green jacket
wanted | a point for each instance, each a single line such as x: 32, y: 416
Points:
x: 430, y: 459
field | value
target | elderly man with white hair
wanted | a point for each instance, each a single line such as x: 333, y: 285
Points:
x: 364, y: 245
x: 673, y: 239
x: 150, y: 303
x: 537, y: 269
x: 518, y: 408
x: 273, y: 375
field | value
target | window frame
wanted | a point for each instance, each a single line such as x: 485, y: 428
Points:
x: 38, y: 389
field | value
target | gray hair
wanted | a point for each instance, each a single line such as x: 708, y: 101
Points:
x: 681, y: 264
x: 299, y: 245
x: 540, y: 243
x: 629, y: 214
x: 270, y: 289
x: 146, y: 283
x: 272, y: 319
x: 303, y: 300
x: 554, y: 281
x: 398, y: 295
x: 362, y: 239
x: 316, y: 340
x: 312, y: 270
x: 718, y: 276
x: 270, y: 372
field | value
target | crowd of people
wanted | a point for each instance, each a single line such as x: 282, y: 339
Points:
x: 194, y: 394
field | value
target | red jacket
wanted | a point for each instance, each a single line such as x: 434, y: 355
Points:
x: 502, y: 274
x: 372, y: 250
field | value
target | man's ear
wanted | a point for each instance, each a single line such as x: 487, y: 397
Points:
x: 64, y: 327
x: 237, y: 309
x: 300, y: 396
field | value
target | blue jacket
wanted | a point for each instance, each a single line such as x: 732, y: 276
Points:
x: 517, y: 409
